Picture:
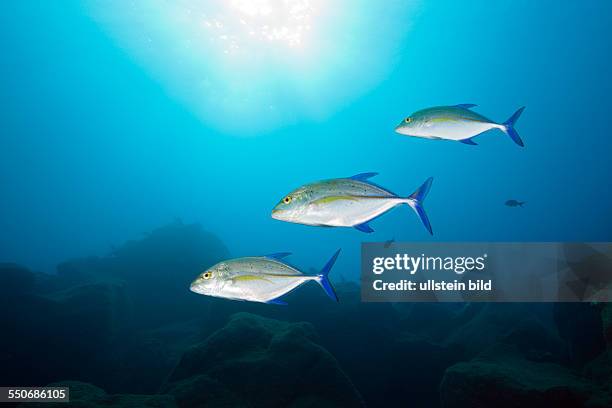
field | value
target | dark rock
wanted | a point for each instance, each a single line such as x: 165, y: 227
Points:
x: 84, y: 395
x: 536, y: 342
x: 261, y: 362
x: 346, y: 329
x: 54, y: 337
x: 203, y: 391
x: 361, y: 336
x: 415, y: 369
x: 580, y: 325
x: 101, y: 319
x: 15, y: 280
x: 99, y: 312
x: 501, y: 377
x: 144, y: 361
x: 156, y: 272
x: 600, y: 368
x: 606, y: 322
x: 488, y: 324
x: 435, y: 321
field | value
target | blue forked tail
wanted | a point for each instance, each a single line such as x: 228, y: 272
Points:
x: 509, y: 127
x: 416, y: 202
x: 323, y: 277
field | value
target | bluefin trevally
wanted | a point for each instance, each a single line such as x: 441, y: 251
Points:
x: 456, y: 122
x: 389, y: 242
x: 346, y: 202
x: 514, y: 203
x: 259, y: 279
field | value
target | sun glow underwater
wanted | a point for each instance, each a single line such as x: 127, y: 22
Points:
x: 271, y: 63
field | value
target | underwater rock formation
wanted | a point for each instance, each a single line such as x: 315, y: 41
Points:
x: 435, y: 336
x: 144, y: 361
x: 415, y: 366
x: 531, y: 366
x: 434, y: 321
x: 581, y: 326
x: 606, y: 322
x: 501, y: 377
x: 536, y: 342
x: 486, y: 324
x: 156, y: 271
x: 127, y: 323
x: 55, y: 336
x: 102, y: 319
x: 259, y: 362
x: 15, y: 280
x: 361, y: 336
x: 599, y: 369
x: 90, y: 396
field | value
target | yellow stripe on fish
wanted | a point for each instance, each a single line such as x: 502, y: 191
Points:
x: 454, y: 119
x: 250, y: 278
x: 331, y: 199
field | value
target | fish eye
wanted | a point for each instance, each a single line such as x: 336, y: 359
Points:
x: 287, y: 200
x: 207, y: 275
x: 408, y: 120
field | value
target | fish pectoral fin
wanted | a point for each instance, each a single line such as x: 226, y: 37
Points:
x: 469, y: 142
x: 276, y: 302
x: 364, y: 228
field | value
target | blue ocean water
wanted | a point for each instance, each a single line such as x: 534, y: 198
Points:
x: 95, y: 151
x: 119, y: 118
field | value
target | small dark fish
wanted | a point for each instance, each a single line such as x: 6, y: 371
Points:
x: 514, y: 203
x: 389, y: 242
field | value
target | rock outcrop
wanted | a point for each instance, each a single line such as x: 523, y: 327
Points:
x: 259, y: 362
x: 86, y: 395
x: 501, y: 377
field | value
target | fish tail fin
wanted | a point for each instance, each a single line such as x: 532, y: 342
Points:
x: 508, y: 127
x: 323, y: 279
x: 416, y: 202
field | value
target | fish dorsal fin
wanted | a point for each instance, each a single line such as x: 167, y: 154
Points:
x: 286, y: 269
x: 278, y: 255
x: 466, y: 105
x: 363, y: 176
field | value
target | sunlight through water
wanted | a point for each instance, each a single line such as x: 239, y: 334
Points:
x: 285, y: 22
x: 246, y: 67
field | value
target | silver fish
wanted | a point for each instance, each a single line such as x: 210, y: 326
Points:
x: 259, y: 279
x: 346, y: 202
x: 456, y: 122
